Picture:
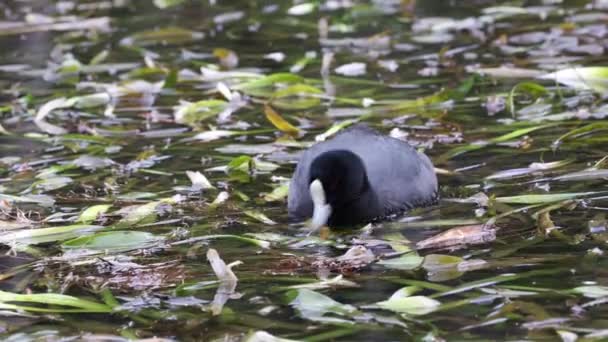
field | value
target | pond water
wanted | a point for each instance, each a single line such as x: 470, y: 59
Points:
x: 108, y: 109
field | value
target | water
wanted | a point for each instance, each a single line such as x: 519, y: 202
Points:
x: 538, y: 279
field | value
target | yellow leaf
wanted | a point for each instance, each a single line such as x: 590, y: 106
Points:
x: 277, y: 120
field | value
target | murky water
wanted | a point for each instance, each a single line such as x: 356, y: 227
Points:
x: 531, y: 171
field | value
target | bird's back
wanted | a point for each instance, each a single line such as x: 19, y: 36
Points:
x: 401, y: 176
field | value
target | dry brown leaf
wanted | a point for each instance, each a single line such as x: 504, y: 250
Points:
x: 459, y: 237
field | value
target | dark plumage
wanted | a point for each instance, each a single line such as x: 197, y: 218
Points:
x: 364, y: 176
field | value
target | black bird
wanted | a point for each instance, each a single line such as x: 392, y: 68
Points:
x: 359, y: 176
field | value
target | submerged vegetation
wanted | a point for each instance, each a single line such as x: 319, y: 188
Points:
x: 146, y: 149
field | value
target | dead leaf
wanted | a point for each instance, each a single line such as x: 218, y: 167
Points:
x: 460, y: 237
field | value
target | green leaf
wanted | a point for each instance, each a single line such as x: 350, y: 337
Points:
x: 44, y: 235
x: 314, y: 306
x: 297, y: 96
x: 533, y: 89
x: 580, y: 132
x: 442, y: 267
x: 260, y: 243
x: 337, y: 127
x: 42, y: 200
x: 278, y: 194
x: 242, y: 163
x: 171, y: 80
x: 503, y: 138
x: 259, y: 216
x: 166, y: 35
x: 410, y: 261
x: 193, y: 113
x: 162, y: 4
x: 592, y: 291
x: 114, y: 241
x: 138, y: 214
x: 584, y: 78
x: 250, y: 87
x: 52, y: 299
x: 544, y: 198
x: 92, y: 213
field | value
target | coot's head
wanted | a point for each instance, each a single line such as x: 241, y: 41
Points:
x: 337, y: 178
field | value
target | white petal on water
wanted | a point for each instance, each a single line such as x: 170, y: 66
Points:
x: 228, y: 17
x: 389, y: 64
x: 352, y: 69
x: 213, y: 135
x: 275, y: 56
x: 301, y: 9
x: 198, y: 180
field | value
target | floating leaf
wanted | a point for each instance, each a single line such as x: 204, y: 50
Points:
x: 441, y: 267
x: 65, y: 303
x: 590, y: 174
x: 138, y: 214
x: 42, y: 200
x: 199, y: 181
x: 259, y: 216
x: 460, y: 237
x: 92, y: 213
x: 533, y: 89
x: 335, y: 129
x: 592, y: 291
x: 509, y: 72
x: 415, y: 305
x: 262, y: 336
x: 409, y: 261
x: 314, y: 306
x: 44, y: 235
x: 248, y: 149
x: 338, y: 281
x: 278, y: 194
x: 534, y: 167
x: 301, y: 9
x: 586, y: 78
x: 543, y: 198
x: 228, y: 58
x: 162, y: 4
x: 256, y: 242
x: 297, y: 96
x: 268, y: 81
x: 90, y: 101
x: 193, y: 113
x: 277, y: 120
x: 167, y: 35
x: 114, y: 241
x: 351, y: 69
x: 476, y: 146
x: 243, y: 163
x: 52, y: 183
x: 214, y: 135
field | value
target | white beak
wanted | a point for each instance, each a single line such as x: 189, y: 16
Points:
x: 322, y: 210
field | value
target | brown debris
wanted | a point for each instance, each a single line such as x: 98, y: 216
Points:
x: 460, y: 237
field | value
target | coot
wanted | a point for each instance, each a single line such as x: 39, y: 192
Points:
x: 359, y: 176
